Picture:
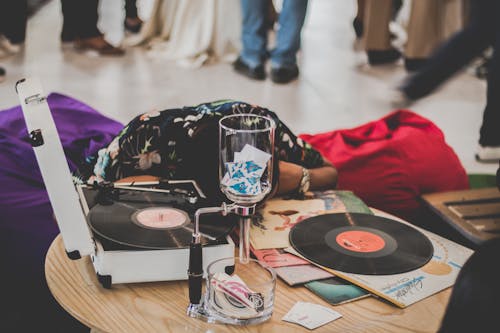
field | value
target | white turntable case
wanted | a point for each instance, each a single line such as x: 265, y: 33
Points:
x: 111, y: 266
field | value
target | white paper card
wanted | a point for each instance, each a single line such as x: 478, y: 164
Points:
x: 250, y: 153
x: 310, y: 315
x: 237, y: 157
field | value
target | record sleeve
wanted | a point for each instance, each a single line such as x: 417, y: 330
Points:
x: 410, y: 287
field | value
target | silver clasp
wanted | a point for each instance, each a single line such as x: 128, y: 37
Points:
x: 34, y: 99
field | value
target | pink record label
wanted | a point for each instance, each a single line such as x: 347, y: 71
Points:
x: 160, y: 218
x: 360, y: 241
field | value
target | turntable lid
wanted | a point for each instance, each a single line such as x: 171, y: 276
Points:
x: 54, y: 169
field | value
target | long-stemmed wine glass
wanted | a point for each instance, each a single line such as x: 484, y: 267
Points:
x: 246, y: 144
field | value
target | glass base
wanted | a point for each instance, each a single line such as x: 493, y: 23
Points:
x: 198, y: 311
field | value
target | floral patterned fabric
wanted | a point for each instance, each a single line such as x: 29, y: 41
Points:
x: 183, y: 144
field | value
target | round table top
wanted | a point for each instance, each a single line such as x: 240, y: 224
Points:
x: 161, y: 306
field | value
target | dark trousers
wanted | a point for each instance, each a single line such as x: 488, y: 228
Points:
x: 490, y: 128
x: 131, y: 8
x: 13, y: 18
x: 79, y: 19
x: 482, y: 31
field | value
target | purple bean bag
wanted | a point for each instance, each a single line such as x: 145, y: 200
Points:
x: 27, y: 227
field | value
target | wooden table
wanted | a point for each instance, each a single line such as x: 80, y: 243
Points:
x: 161, y: 306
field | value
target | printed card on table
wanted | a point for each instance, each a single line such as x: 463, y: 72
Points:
x: 310, y: 315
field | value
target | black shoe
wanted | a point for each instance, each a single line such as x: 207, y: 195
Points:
x: 256, y: 73
x: 357, y: 24
x: 132, y: 25
x: 67, y: 36
x: 414, y: 64
x: 2, y: 74
x: 284, y: 74
x: 383, y: 57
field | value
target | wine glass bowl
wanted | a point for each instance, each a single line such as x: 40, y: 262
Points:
x: 246, y: 145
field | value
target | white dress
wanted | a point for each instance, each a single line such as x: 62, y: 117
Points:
x: 192, y: 32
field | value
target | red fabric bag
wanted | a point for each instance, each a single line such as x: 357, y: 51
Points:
x: 390, y: 162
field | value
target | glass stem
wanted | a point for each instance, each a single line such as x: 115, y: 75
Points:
x: 245, y: 239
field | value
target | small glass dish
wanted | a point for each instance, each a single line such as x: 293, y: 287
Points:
x: 239, y: 293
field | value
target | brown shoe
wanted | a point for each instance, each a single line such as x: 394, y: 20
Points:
x: 98, y: 44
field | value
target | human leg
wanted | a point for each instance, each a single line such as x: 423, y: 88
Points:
x: 14, y: 20
x: 80, y: 26
x: 455, y: 53
x: 79, y: 19
x: 377, y: 37
x: 291, y: 19
x: 357, y: 23
x: 253, y: 34
x: 489, y: 138
x: 88, y: 19
x: 254, y: 39
x: 284, y: 55
x: 431, y: 22
x: 132, y: 21
x: 131, y: 8
x: 70, y: 21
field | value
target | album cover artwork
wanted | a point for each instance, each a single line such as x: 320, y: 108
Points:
x: 336, y: 291
x: 273, y: 222
x: 278, y: 258
x: 290, y: 268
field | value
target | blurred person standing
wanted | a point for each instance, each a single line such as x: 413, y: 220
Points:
x: 191, y: 32
x: 254, y: 37
x: 13, y: 19
x: 80, y: 27
x: 482, y: 31
x: 375, y: 32
x: 430, y: 23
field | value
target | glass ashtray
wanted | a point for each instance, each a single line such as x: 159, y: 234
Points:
x: 238, y: 293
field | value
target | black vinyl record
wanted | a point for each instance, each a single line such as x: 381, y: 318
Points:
x: 146, y: 220
x: 361, y: 243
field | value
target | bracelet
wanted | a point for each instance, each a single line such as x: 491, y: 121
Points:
x: 305, y: 182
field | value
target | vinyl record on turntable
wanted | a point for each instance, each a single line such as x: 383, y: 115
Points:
x: 361, y: 243
x: 145, y: 220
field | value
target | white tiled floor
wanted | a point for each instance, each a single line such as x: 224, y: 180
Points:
x: 336, y: 88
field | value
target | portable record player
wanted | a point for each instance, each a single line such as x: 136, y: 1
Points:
x: 132, y: 233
